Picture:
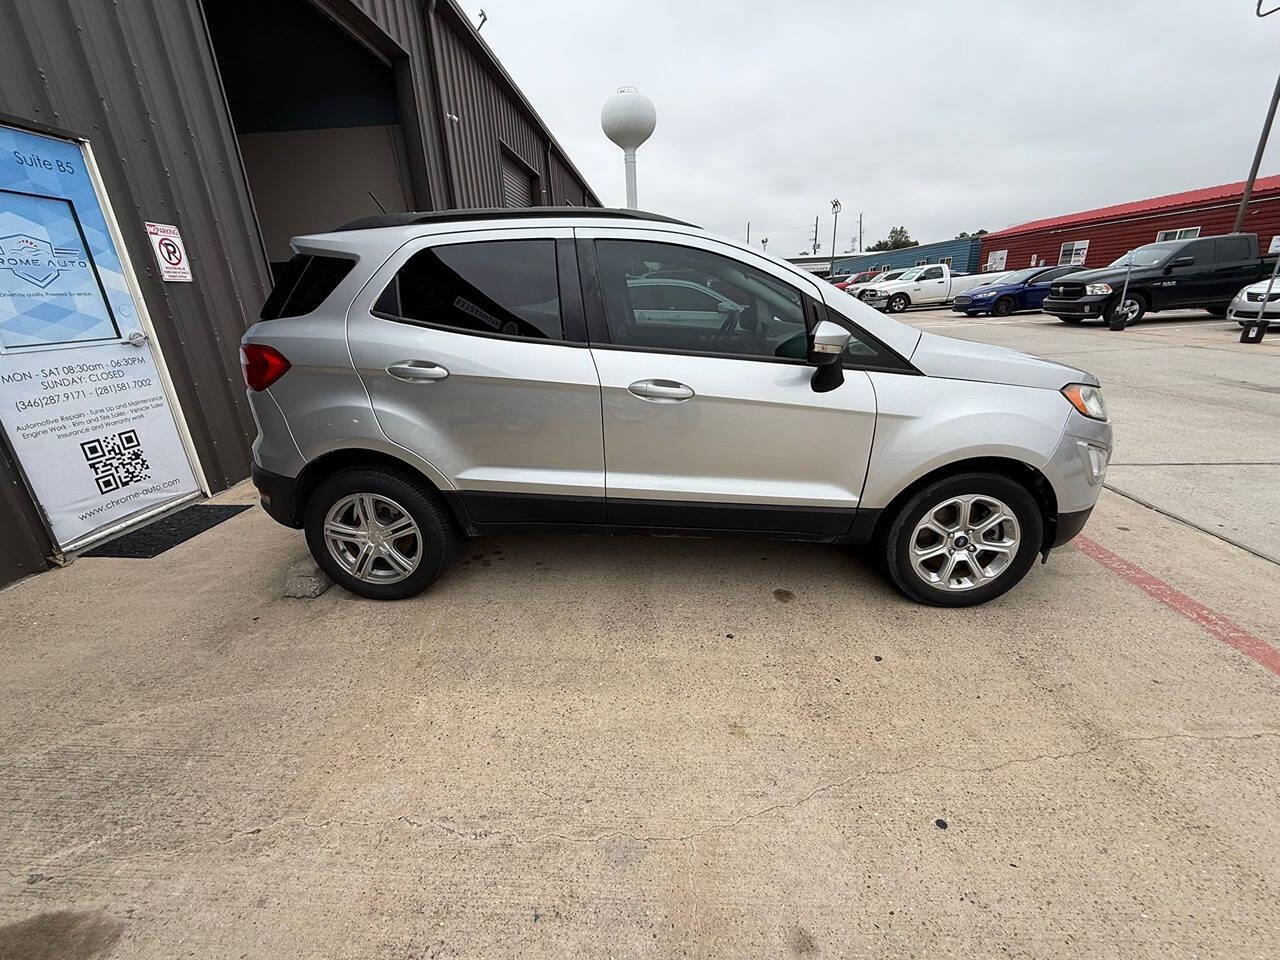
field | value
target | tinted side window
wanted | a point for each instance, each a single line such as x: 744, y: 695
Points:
x: 1054, y: 274
x: 1202, y: 250
x: 504, y: 287
x: 304, y: 283
x: 742, y: 311
x: 1233, y: 249
x: 933, y: 273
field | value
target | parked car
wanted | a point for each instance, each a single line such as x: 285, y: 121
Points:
x: 1246, y: 304
x: 850, y: 280
x: 1171, y: 274
x: 928, y: 284
x: 419, y: 378
x: 838, y: 279
x: 1020, y: 290
x: 884, y: 276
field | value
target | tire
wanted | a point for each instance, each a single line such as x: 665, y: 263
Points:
x: 988, y: 490
x: 345, y: 499
x: 898, y: 303
x: 1072, y: 320
x: 1002, y: 307
x: 1136, y: 315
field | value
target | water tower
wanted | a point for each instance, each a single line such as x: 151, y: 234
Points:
x: 628, y: 119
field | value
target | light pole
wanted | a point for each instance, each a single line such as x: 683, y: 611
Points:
x: 764, y: 243
x: 835, y: 219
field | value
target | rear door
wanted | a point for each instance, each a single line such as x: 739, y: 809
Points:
x: 1033, y: 293
x: 1237, y: 267
x: 472, y: 348
x: 717, y: 426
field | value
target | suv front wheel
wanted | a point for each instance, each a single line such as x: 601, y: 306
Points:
x: 963, y: 540
x: 379, y: 534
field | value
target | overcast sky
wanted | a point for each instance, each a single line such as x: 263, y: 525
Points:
x: 941, y: 116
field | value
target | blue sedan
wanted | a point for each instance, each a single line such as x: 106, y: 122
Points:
x: 1020, y: 290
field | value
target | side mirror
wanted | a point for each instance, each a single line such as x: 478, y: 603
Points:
x: 828, y: 344
x: 1182, y: 261
x: 825, y: 351
x: 726, y: 308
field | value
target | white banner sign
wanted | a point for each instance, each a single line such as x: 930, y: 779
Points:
x: 80, y: 398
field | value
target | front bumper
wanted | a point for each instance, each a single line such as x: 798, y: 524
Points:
x: 1094, y: 306
x: 879, y: 301
x: 1077, y: 469
x: 1242, y: 312
x: 967, y: 304
x: 278, y: 495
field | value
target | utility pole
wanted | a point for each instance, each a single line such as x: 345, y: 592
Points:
x: 748, y: 233
x: 1257, y: 157
x: 835, y: 218
x: 859, y: 231
x: 815, y: 236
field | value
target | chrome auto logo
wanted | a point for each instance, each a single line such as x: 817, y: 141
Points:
x: 37, y: 261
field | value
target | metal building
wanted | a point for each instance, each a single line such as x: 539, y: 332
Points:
x: 1098, y: 237
x: 960, y: 254
x: 156, y: 159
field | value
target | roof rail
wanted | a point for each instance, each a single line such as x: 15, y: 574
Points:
x: 503, y: 213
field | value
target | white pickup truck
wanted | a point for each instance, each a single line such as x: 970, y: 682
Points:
x: 931, y: 283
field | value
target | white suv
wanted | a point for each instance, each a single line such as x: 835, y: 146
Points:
x: 422, y: 377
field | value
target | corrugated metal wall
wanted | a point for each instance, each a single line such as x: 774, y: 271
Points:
x: 1109, y: 240
x: 963, y: 254
x: 138, y: 79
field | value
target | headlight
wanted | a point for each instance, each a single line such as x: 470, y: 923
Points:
x: 1097, y: 289
x: 1087, y: 399
x: 978, y: 295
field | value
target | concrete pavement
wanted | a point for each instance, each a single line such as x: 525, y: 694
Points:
x: 608, y: 747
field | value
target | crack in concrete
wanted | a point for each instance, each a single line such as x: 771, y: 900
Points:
x: 725, y: 826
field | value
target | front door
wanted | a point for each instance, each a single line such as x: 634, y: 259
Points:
x: 716, y: 426
x: 472, y: 349
x: 82, y: 396
x: 930, y: 287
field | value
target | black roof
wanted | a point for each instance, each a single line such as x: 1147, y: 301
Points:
x: 503, y: 213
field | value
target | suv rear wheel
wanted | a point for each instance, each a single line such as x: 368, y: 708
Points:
x: 963, y: 540
x: 379, y: 534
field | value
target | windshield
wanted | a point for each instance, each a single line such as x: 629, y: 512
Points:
x: 1149, y: 255
x: 912, y: 273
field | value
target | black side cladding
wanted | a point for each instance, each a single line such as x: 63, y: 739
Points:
x: 306, y: 280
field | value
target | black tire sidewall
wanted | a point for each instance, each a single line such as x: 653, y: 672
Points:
x: 438, y: 538
x: 1003, y: 307
x: 898, y: 303
x: 1142, y: 308
x: 896, y: 542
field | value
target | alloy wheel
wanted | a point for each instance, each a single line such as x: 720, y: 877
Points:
x: 964, y: 542
x: 373, y: 538
x: 1129, y: 309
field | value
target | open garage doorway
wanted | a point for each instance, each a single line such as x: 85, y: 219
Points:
x: 316, y: 115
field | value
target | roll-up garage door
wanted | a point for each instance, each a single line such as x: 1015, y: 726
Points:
x: 517, y: 185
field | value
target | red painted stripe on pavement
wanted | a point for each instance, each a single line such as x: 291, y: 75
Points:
x: 1233, y: 635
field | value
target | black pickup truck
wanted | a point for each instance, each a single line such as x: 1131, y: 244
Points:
x: 1170, y: 275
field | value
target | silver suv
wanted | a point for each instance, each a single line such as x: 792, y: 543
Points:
x: 419, y: 378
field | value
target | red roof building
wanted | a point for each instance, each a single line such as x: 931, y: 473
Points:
x: 1097, y: 237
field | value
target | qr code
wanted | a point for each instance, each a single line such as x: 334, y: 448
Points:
x: 116, y: 460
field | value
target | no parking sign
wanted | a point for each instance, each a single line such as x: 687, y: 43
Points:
x: 171, y: 255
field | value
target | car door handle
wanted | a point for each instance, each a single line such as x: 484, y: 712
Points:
x: 417, y: 371
x: 661, y: 391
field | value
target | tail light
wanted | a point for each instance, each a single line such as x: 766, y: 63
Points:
x: 262, y: 365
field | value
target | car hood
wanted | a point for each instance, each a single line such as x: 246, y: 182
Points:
x: 1260, y: 287
x: 937, y: 356
x: 996, y: 288
x: 1099, y: 273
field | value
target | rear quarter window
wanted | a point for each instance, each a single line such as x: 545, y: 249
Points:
x: 305, y: 282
